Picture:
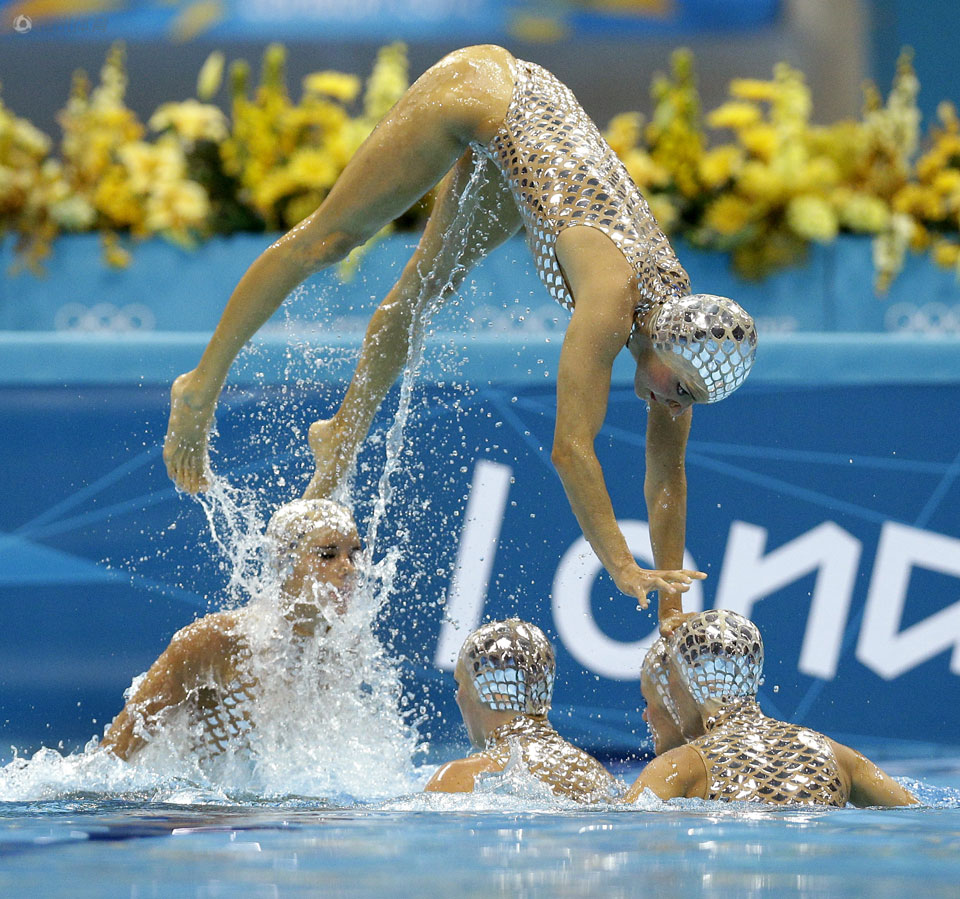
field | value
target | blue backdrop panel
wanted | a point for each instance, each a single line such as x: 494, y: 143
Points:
x: 829, y: 513
x: 368, y: 19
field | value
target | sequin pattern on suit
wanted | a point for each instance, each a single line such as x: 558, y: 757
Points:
x: 568, y: 771
x: 562, y: 172
x: 751, y: 757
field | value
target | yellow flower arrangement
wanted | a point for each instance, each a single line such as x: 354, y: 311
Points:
x: 753, y: 177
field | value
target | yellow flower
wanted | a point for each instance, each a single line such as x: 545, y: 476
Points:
x: 29, y: 138
x: 114, y: 254
x: 176, y: 208
x: 753, y: 89
x: 147, y: 164
x: 191, y: 120
x: 761, y: 182
x: 762, y: 140
x: 920, y: 201
x: 210, y: 76
x: 719, y: 165
x: 644, y: 171
x: 338, y: 85
x: 73, y: 213
x: 812, y: 217
x: 312, y: 168
x: 863, y: 212
x: 947, y: 181
x: 664, y: 211
x: 946, y: 254
x: 728, y: 214
x: 734, y: 115
x: 624, y: 132
x: 117, y: 201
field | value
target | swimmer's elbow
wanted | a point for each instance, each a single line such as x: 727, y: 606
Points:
x: 454, y: 777
x: 566, y: 455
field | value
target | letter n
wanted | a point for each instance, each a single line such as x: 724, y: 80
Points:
x: 883, y: 646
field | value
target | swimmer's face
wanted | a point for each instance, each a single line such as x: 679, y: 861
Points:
x: 666, y: 735
x: 658, y: 381
x: 471, y: 708
x: 323, y: 559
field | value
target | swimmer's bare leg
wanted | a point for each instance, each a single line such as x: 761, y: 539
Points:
x: 465, y: 225
x: 462, y: 98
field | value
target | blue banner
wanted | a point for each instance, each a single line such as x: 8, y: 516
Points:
x: 827, y: 513
x: 381, y: 20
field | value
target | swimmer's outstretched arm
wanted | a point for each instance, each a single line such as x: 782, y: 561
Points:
x: 869, y: 784
x: 460, y: 776
x: 665, y: 490
x: 598, y: 330
x: 677, y: 774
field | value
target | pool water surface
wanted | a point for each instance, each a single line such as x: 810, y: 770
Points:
x: 492, y: 843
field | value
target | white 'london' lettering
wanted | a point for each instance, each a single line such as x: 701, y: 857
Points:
x: 749, y: 576
x: 882, y: 645
x: 478, y: 546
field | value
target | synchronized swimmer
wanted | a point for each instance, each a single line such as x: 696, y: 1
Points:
x: 544, y: 166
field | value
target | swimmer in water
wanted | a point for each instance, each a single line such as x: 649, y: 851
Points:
x: 511, y: 148
x: 504, y: 677
x: 205, y: 673
x: 713, y: 742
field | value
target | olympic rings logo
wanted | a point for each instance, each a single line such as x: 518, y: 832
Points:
x: 104, y: 318
x: 930, y: 318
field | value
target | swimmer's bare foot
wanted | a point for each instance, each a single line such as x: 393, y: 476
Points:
x: 334, y: 458
x: 185, y: 446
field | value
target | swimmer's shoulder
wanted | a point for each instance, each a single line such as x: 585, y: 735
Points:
x: 460, y: 776
x: 203, y: 642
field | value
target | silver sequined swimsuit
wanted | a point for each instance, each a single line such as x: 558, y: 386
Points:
x: 751, y: 757
x: 567, y: 770
x: 562, y: 172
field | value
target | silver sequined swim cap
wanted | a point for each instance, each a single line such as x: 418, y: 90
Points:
x: 718, y: 656
x: 655, y: 669
x: 511, y: 664
x: 714, y: 335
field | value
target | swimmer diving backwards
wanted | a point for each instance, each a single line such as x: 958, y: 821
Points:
x: 510, y: 147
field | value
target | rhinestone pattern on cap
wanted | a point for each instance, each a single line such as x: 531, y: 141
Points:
x: 562, y: 172
x: 719, y: 656
x: 750, y: 757
x: 714, y: 335
x: 655, y: 669
x: 567, y: 770
x: 511, y: 664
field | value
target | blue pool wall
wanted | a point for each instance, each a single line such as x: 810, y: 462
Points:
x: 823, y: 496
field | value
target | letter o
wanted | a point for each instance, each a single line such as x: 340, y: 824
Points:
x: 573, y: 617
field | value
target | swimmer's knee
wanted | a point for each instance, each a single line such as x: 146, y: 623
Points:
x: 316, y: 252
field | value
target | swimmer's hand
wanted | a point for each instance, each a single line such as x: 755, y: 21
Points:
x: 185, y: 446
x: 638, y: 582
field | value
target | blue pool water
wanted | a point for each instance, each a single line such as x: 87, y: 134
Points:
x: 493, y: 843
